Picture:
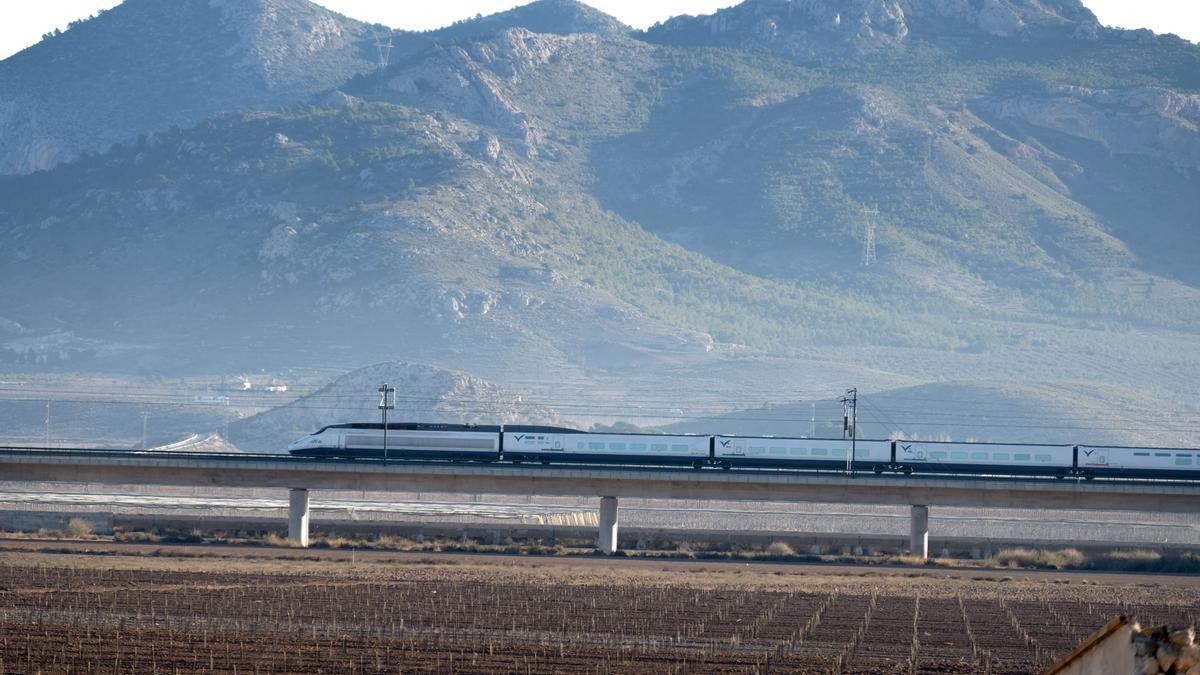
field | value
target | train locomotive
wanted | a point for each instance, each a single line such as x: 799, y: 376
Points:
x: 560, y: 445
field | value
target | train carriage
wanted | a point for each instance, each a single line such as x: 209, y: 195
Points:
x: 951, y: 457
x: 404, y: 441
x: 801, y: 453
x: 578, y: 446
x: 1111, y: 460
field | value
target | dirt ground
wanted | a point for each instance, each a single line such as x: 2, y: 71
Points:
x: 105, y: 607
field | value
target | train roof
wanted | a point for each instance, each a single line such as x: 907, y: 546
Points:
x: 802, y: 438
x: 537, y: 429
x: 434, y: 426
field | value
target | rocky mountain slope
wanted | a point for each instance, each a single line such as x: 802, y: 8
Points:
x: 148, y: 66
x: 574, y: 208
x: 177, y: 64
x: 798, y: 28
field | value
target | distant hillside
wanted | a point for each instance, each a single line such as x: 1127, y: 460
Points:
x: 966, y: 411
x: 423, y: 394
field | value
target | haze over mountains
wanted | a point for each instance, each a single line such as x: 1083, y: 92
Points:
x: 672, y: 218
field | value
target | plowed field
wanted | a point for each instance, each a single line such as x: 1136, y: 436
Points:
x: 134, y: 609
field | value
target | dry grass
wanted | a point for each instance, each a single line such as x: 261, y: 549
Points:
x: 780, y: 549
x: 916, y: 560
x: 1142, y: 560
x: 78, y: 528
x: 1147, y: 561
x: 272, y: 539
x: 1067, y: 558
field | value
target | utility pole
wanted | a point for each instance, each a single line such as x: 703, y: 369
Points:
x: 145, y: 418
x: 868, y: 251
x: 385, y: 51
x: 813, y: 432
x: 850, y: 424
x: 386, y: 404
x: 47, y: 424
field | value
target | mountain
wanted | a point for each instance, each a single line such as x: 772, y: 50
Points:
x: 799, y: 27
x: 178, y: 64
x: 696, y: 216
x: 147, y: 65
x: 558, y: 17
x: 423, y: 394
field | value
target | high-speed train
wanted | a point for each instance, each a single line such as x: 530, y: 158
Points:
x: 545, y: 444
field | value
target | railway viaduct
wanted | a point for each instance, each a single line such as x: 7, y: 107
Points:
x: 608, y: 484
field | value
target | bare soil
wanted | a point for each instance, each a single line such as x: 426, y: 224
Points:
x: 108, y: 608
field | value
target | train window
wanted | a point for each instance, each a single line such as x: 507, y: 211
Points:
x: 658, y: 447
x: 958, y: 454
x: 1183, y: 460
x: 579, y: 446
x: 757, y: 451
x: 839, y: 452
x: 637, y: 447
x: 861, y: 452
x: 820, y: 452
x: 799, y: 451
x: 595, y: 446
x: 616, y: 446
x: 1021, y: 456
x: 1001, y: 456
x: 1141, y: 454
x: 679, y: 448
x: 979, y: 456
x: 1183, y: 455
x: 1043, y: 458
x: 778, y: 451
x: 937, y: 454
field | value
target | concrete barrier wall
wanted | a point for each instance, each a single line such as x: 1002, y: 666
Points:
x: 630, y: 538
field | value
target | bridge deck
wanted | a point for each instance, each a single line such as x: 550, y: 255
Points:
x: 235, y: 470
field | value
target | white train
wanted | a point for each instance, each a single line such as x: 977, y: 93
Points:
x: 403, y: 440
x: 544, y: 444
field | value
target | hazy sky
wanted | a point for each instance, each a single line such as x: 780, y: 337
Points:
x: 23, y: 23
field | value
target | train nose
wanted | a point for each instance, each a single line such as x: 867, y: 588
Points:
x: 301, y: 443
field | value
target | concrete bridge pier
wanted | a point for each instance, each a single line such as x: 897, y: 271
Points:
x: 918, y: 545
x: 298, y: 517
x: 608, y: 525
